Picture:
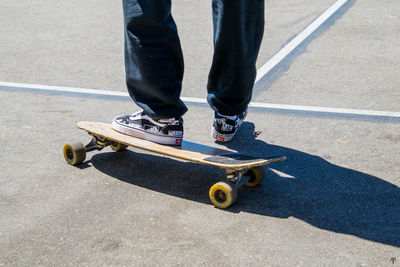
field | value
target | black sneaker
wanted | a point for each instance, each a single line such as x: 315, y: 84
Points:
x: 225, y: 127
x: 140, y: 125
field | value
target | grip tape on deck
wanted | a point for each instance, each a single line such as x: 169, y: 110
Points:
x: 233, y: 158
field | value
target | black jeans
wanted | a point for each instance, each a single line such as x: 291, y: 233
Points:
x: 154, y: 60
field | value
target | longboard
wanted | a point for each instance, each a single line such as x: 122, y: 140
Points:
x: 241, y: 169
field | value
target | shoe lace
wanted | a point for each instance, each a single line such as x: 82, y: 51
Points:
x: 126, y: 119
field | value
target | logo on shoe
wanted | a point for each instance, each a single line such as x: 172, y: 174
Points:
x: 178, y: 142
x: 219, y: 138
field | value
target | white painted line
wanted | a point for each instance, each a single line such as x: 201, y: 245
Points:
x: 98, y: 92
x: 62, y: 89
x: 198, y: 100
x: 288, y: 48
x: 194, y: 100
x: 343, y: 111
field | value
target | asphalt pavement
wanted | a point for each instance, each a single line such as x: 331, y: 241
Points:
x: 334, y: 202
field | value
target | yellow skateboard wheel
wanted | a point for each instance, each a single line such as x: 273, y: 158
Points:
x: 74, y: 153
x: 223, y: 194
x: 257, y: 174
x: 118, y: 147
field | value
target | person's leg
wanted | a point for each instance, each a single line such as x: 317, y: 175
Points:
x: 154, y: 72
x: 238, y: 31
x: 153, y: 58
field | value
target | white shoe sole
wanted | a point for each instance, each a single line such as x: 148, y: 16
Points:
x: 221, y: 137
x: 163, y: 140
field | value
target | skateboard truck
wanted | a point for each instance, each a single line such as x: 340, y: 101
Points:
x: 96, y: 144
x: 237, y: 177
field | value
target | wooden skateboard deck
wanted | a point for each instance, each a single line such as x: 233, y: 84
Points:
x: 189, y: 151
x: 240, y: 168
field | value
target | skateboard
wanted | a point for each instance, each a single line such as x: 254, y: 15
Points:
x: 240, y: 169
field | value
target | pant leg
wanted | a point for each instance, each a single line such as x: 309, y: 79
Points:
x: 153, y: 57
x: 238, y: 31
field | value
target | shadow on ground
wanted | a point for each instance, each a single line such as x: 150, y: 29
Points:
x: 322, y: 194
